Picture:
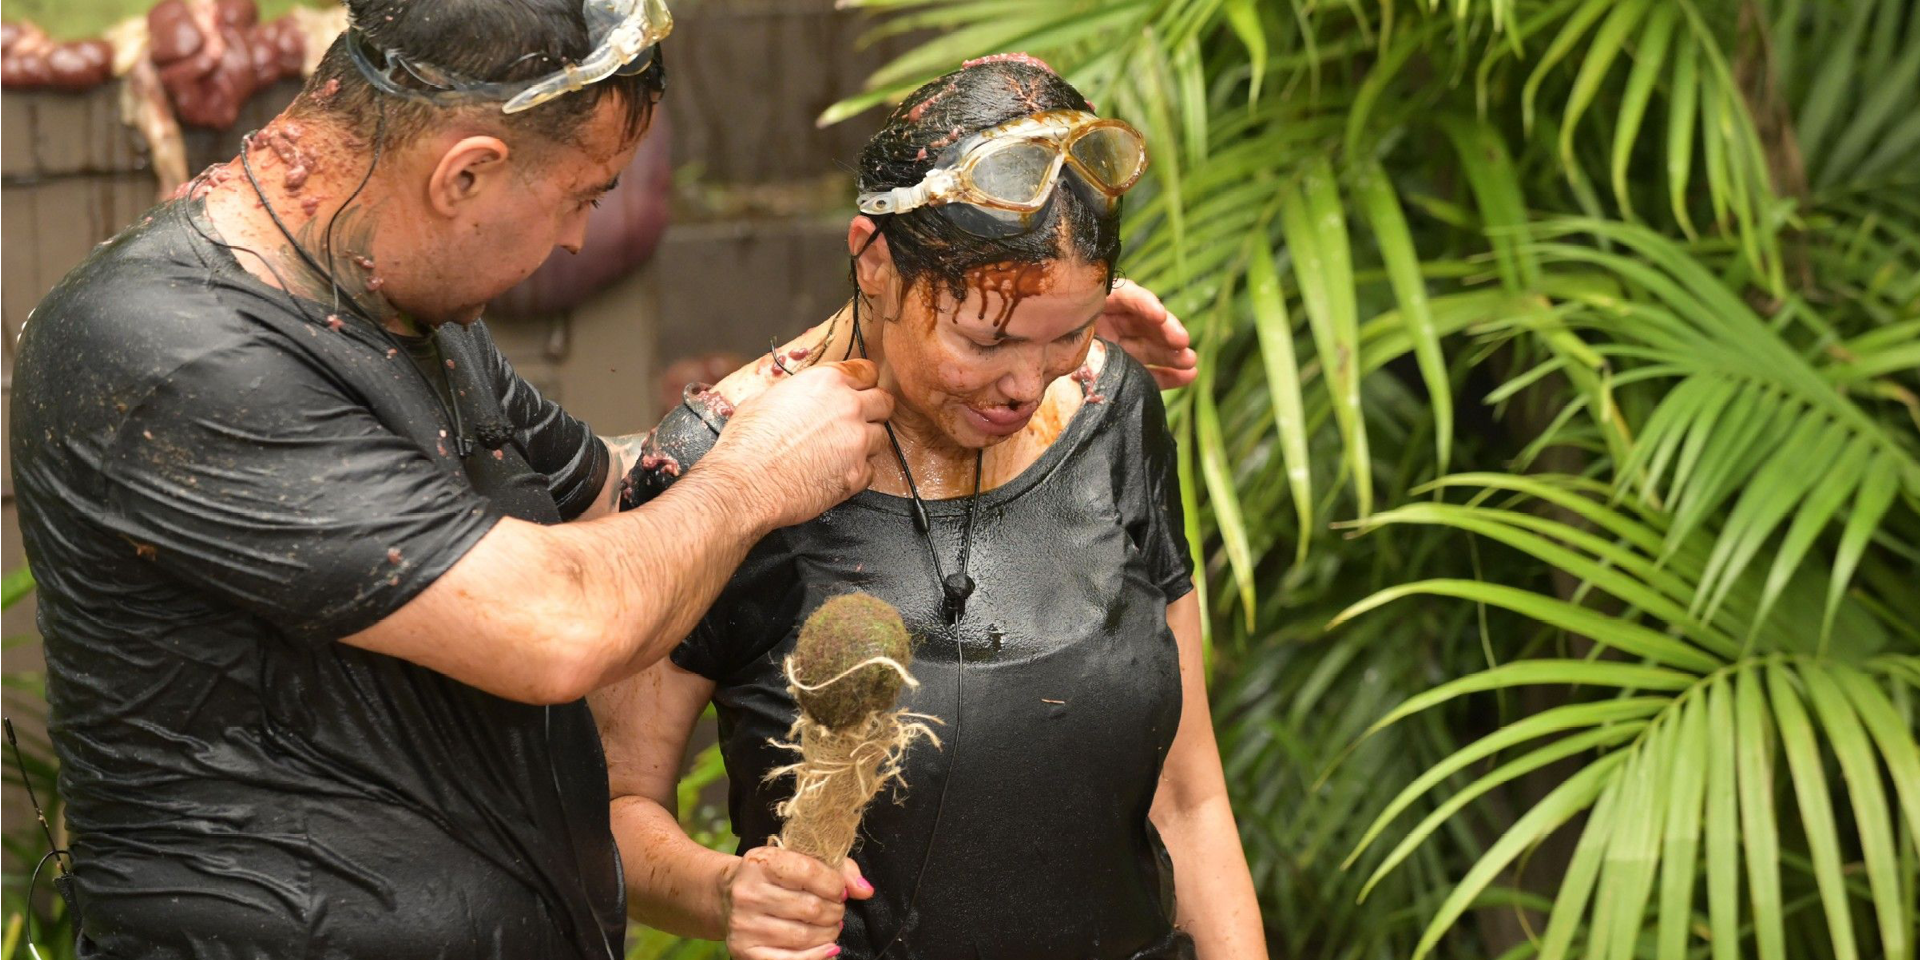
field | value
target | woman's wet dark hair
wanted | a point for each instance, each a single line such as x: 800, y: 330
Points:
x: 925, y: 243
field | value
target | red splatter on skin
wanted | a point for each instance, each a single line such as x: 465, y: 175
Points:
x: 208, y: 181
x: 284, y: 139
x: 328, y: 90
x: 310, y: 205
x: 799, y: 353
x: 1026, y: 58
x: 1012, y: 282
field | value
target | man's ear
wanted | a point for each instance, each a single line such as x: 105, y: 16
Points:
x: 873, y: 261
x: 468, y: 169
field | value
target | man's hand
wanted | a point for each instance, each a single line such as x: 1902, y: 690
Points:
x: 803, y: 446
x: 1137, y: 320
x: 782, y: 905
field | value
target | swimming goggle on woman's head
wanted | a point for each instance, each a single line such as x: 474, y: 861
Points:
x: 625, y: 37
x: 992, y: 183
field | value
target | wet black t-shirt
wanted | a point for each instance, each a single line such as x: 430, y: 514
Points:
x: 1041, y: 848
x: 216, y: 483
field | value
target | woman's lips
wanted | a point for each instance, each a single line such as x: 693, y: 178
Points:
x: 1001, y: 420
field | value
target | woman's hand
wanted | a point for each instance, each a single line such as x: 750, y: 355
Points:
x: 1136, y: 320
x: 782, y: 905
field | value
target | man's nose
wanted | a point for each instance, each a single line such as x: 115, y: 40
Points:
x: 575, y: 238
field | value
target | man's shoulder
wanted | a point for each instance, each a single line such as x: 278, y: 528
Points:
x: 153, y: 297
x: 145, y: 282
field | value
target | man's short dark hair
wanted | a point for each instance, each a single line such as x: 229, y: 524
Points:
x: 484, y: 40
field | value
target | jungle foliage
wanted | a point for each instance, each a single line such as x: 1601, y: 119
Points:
x: 1555, y: 462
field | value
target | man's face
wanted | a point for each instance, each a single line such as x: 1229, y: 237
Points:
x: 515, y: 218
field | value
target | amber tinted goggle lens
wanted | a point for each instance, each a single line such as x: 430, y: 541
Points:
x: 1111, y: 156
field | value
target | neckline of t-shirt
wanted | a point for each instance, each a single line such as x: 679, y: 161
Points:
x: 1107, y: 385
x: 205, y: 232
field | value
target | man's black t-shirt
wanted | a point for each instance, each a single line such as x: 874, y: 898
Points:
x: 217, y: 482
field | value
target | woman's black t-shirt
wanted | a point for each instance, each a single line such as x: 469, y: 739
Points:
x: 1025, y: 834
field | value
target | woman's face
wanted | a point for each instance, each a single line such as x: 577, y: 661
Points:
x: 977, y: 368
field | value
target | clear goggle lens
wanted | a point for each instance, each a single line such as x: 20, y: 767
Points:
x: 1018, y: 173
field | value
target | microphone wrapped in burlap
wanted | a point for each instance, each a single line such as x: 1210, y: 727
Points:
x: 846, y: 672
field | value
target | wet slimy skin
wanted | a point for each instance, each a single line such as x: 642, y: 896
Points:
x: 1011, y: 346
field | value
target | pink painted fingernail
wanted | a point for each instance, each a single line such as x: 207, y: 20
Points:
x: 834, y: 952
x: 865, y: 887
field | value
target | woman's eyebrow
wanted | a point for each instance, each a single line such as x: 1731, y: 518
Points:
x: 1002, y: 336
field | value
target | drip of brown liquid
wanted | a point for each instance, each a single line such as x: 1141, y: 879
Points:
x: 1012, y: 282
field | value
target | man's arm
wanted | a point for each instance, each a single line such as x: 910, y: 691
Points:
x: 545, y: 614
x: 1136, y: 320
x: 623, y: 453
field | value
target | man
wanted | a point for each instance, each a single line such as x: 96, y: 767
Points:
x: 323, y: 581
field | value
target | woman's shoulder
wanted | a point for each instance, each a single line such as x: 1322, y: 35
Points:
x: 759, y: 376
x: 1125, y: 385
x: 675, y: 444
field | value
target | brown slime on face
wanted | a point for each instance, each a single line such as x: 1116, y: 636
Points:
x: 1012, y: 282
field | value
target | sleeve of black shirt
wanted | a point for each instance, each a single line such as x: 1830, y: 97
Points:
x: 557, y: 445
x: 258, y: 479
x: 1150, y: 484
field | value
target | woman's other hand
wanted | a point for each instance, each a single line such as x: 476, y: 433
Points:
x: 1136, y: 320
x: 782, y: 905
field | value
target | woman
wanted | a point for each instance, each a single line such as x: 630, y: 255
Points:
x: 1027, y: 525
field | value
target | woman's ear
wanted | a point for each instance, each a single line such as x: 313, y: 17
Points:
x: 872, y: 260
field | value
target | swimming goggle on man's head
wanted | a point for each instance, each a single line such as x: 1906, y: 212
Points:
x: 625, y: 37
x: 992, y: 183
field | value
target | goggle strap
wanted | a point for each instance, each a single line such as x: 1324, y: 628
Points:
x: 903, y: 199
